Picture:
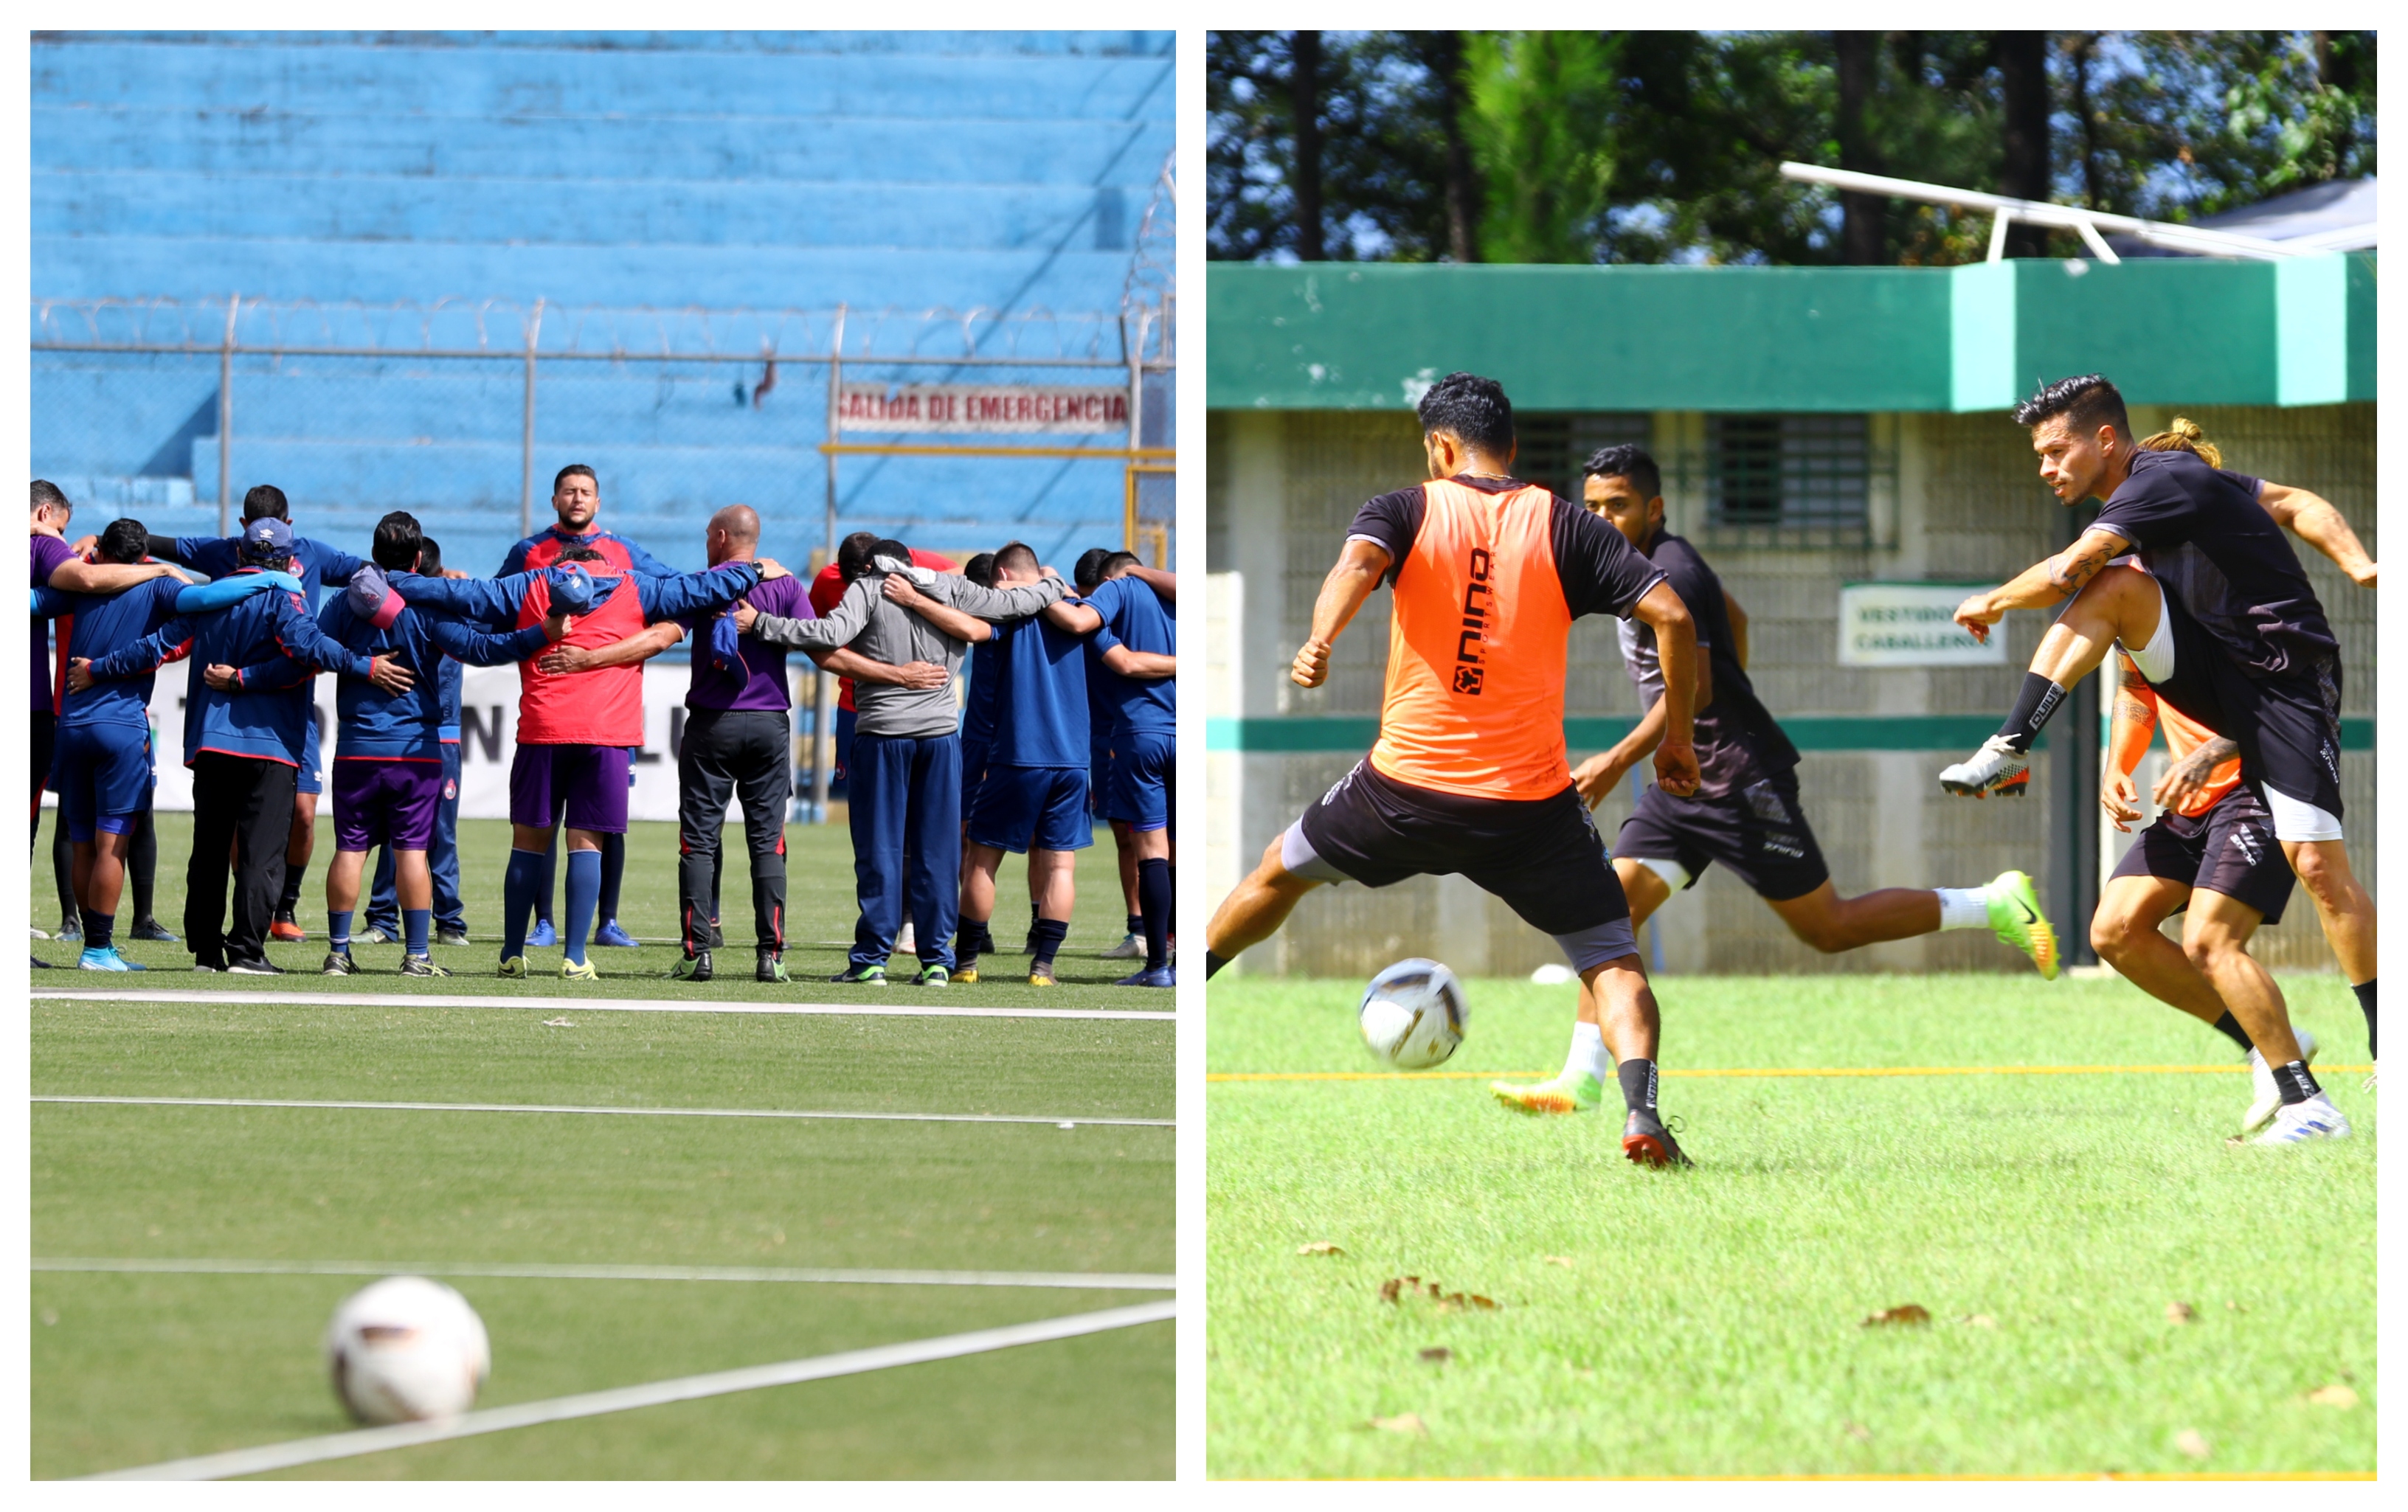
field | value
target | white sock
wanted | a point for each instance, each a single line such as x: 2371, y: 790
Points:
x: 1964, y: 907
x: 1587, y: 1055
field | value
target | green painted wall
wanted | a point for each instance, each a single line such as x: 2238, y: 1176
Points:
x: 2167, y: 329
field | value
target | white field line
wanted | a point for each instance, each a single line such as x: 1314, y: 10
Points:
x: 629, y: 1112
x: 597, y: 1004
x: 1063, y: 1280
x: 656, y: 1393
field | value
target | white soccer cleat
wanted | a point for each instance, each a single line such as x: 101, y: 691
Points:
x: 1132, y: 947
x: 2267, y: 1100
x: 1995, y: 767
x: 2298, y: 1122
x: 906, y: 943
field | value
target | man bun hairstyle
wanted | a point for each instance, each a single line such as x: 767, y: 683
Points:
x: 1629, y: 460
x: 2185, y: 435
x: 1016, y: 556
x: 394, y: 547
x: 266, y: 502
x: 47, y: 496
x: 125, y: 541
x: 576, y: 469
x: 2086, y: 403
x: 1474, y: 408
x: 979, y: 569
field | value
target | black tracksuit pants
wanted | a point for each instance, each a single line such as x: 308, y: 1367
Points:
x: 244, y: 803
x: 746, y: 753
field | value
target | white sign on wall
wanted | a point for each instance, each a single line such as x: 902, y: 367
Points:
x: 1911, y: 624
x: 983, y: 408
x: 489, y: 717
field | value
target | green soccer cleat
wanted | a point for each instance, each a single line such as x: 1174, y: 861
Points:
x: 862, y: 976
x: 2016, y: 920
x: 691, y: 968
x: 932, y: 977
x: 1574, y: 1091
x: 579, y: 971
x: 513, y: 967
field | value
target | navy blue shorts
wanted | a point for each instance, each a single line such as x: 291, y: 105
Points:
x: 586, y: 784
x: 1022, y: 809
x: 1099, y: 777
x: 973, y: 771
x: 1138, y: 790
x: 102, y: 773
x: 308, y: 779
x: 1760, y: 833
x: 2230, y: 849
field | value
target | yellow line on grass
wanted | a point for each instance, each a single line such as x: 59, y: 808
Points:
x: 1774, y: 1070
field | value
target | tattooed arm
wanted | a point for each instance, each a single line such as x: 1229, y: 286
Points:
x: 2045, y: 583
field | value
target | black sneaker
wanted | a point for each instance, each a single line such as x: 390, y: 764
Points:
x: 419, y: 965
x: 448, y: 935
x: 41, y: 964
x: 151, y: 929
x: 932, y: 977
x: 862, y: 976
x: 691, y: 968
x: 718, y: 941
x: 767, y: 967
x: 259, y: 967
x: 1646, y: 1141
x: 209, y: 963
x: 339, y: 963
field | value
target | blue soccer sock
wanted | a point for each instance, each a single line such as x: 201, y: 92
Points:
x: 413, y: 929
x: 585, y: 888
x: 339, y: 931
x: 527, y: 868
x: 99, y: 930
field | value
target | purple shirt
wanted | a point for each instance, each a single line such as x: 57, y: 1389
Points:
x: 49, y: 554
x: 764, y: 665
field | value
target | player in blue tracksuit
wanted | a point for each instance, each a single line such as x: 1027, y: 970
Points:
x: 1100, y: 565
x: 318, y: 566
x: 243, y: 744
x: 1132, y: 619
x: 443, y: 850
x: 388, y: 767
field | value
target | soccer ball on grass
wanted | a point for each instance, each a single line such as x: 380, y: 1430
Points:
x: 1412, y: 1014
x: 405, y: 1350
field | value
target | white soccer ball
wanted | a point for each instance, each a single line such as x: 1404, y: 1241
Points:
x: 405, y: 1350
x: 1413, y: 1015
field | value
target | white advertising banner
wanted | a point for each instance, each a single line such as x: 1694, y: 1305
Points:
x: 1911, y: 624
x: 982, y: 408
x: 489, y: 717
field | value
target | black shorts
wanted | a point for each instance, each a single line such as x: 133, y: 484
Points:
x: 1760, y: 833
x: 2287, y: 727
x: 2230, y: 849
x: 1543, y: 856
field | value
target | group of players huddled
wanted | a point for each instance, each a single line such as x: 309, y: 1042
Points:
x: 2185, y: 570
x: 1070, y: 718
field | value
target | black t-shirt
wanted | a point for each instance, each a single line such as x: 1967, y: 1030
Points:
x: 2203, y: 533
x: 1600, y: 572
x: 1739, y: 743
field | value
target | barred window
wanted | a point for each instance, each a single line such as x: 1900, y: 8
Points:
x: 1808, y: 473
x: 1551, y: 449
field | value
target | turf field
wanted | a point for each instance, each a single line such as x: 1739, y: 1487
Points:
x: 1711, y: 1322
x: 196, y: 1353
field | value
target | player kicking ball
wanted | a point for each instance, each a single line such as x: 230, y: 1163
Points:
x: 1744, y: 813
x: 1470, y: 773
x: 2213, y: 857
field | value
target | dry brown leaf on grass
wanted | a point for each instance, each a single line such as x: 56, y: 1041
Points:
x: 1319, y: 1246
x: 2335, y: 1395
x: 1904, y: 1313
x: 1438, y: 1355
x: 1403, y: 1423
x: 2181, y: 1312
x: 1396, y: 1287
x: 2193, y: 1443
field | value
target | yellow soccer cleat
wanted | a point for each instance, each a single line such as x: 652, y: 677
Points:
x: 579, y: 971
x: 2016, y: 919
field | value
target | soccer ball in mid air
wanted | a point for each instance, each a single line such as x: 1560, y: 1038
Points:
x: 405, y: 1349
x: 1413, y: 1015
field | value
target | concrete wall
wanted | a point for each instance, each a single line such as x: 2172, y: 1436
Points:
x: 1967, y: 505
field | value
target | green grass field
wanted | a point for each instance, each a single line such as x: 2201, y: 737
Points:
x: 130, y: 1369
x: 1709, y: 1323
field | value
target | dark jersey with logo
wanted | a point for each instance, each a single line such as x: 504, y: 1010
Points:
x: 1739, y: 743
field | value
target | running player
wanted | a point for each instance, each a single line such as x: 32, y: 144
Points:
x: 1130, y: 619
x: 1745, y: 812
x: 2213, y: 857
x: 1470, y: 773
x: 2224, y: 624
x: 318, y: 566
x: 576, y: 732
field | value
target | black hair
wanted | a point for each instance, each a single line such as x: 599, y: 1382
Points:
x: 979, y: 569
x: 576, y: 469
x: 1474, y: 408
x: 579, y: 553
x: 1120, y: 562
x: 125, y: 540
x: 46, y: 495
x: 430, y: 557
x: 1017, y: 556
x: 1628, y: 460
x: 889, y: 547
x: 854, y: 553
x: 395, y: 544
x: 2086, y: 403
x: 266, y: 502
x: 1089, y: 571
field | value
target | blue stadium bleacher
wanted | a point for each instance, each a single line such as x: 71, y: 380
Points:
x: 1002, y: 171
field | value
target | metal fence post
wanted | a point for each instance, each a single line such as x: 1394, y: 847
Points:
x: 527, y: 439
x: 226, y: 421
x: 824, y: 686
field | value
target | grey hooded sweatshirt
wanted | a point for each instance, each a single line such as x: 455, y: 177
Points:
x: 883, y: 631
